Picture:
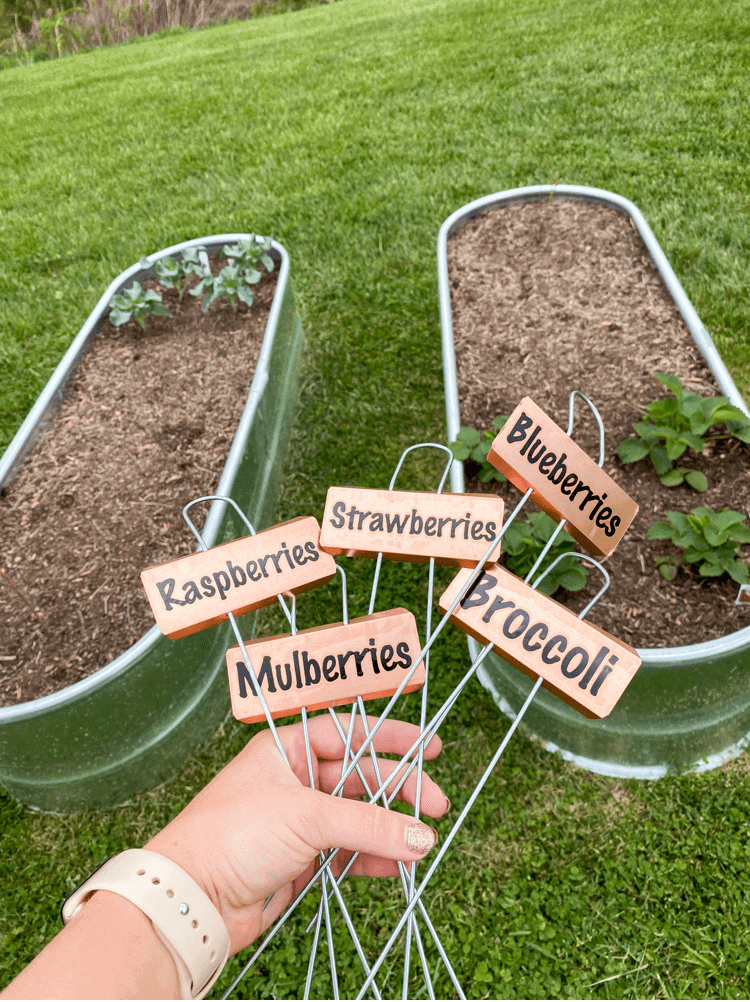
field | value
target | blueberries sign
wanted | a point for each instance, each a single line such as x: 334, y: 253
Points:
x: 531, y: 451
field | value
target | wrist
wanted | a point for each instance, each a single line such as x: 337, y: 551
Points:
x: 109, y: 949
x: 181, y: 914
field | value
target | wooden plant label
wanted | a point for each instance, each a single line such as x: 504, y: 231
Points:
x: 193, y: 592
x: 533, y: 452
x: 583, y: 665
x: 326, y: 666
x: 455, y: 529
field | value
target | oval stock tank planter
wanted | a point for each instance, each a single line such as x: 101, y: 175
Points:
x: 128, y: 726
x: 687, y: 707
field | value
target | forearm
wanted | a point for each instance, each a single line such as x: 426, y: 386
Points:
x: 108, y: 950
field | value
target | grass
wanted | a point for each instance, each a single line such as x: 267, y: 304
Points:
x: 351, y: 131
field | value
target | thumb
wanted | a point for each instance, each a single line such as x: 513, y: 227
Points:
x: 367, y: 828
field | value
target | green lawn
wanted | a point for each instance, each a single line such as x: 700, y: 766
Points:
x: 350, y: 131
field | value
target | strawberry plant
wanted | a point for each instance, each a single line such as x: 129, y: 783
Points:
x: 677, y: 423
x: 708, y: 540
x: 473, y: 445
x: 524, y: 541
x: 135, y: 303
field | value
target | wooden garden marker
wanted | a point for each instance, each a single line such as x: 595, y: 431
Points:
x: 583, y: 665
x: 455, y: 529
x: 533, y: 452
x: 193, y: 592
x: 326, y: 666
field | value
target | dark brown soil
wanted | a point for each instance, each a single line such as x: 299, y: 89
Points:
x: 144, y: 428
x: 552, y: 298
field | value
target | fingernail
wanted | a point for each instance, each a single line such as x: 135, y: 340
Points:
x: 420, y: 838
x: 447, y: 804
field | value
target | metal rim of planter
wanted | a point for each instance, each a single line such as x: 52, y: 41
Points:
x: 734, y: 648
x: 39, y: 711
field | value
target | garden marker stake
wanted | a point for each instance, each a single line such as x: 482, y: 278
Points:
x: 331, y: 665
x: 452, y: 529
x: 581, y: 664
x: 193, y: 592
x: 532, y: 451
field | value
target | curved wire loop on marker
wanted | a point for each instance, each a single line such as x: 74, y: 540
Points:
x: 600, y: 423
x: 424, y: 445
x: 213, y: 497
x: 391, y: 486
x: 581, y: 556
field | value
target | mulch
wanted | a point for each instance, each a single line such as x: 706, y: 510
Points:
x: 548, y: 298
x: 144, y: 428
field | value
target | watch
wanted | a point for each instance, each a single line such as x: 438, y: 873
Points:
x: 181, y: 913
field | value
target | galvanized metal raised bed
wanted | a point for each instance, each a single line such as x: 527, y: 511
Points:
x: 687, y: 707
x: 130, y: 724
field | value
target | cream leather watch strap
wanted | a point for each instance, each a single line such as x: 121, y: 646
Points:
x: 182, y: 914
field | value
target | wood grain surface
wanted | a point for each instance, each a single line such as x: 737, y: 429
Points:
x: 326, y: 666
x: 455, y: 529
x: 193, y: 592
x: 583, y: 665
x: 532, y: 451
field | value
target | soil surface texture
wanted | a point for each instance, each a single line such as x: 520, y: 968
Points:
x: 144, y: 428
x: 550, y: 298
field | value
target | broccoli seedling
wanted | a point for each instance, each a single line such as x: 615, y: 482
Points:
x: 172, y: 272
x: 231, y: 282
x: 247, y: 253
x: 135, y: 303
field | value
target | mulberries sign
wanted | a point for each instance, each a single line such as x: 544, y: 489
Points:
x: 326, y: 666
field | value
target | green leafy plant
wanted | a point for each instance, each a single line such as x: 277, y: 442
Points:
x: 471, y: 444
x: 677, y: 423
x: 135, y: 303
x: 231, y: 282
x: 708, y: 539
x: 524, y: 541
x: 249, y: 253
x: 172, y: 272
x: 236, y: 279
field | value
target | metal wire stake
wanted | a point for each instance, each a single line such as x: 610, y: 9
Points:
x: 272, y: 726
x: 480, y: 784
x: 423, y: 911
x: 538, y: 581
x: 411, y: 928
x: 324, y: 881
x: 324, y: 870
x: 426, y: 733
x: 420, y: 657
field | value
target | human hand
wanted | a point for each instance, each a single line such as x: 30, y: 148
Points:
x: 256, y: 829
